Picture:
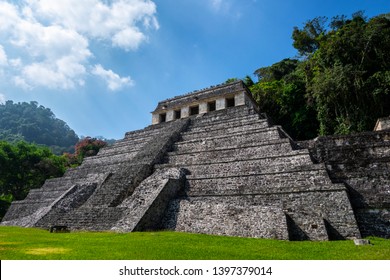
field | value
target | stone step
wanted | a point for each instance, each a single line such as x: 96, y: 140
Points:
x: 209, y: 119
x: 108, y: 159
x: 137, y: 138
x: 125, y: 147
x: 64, y: 183
x: 253, y: 166
x: 58, y: 184
x: 54, y: 188
x: 222, y: 131
x: 230, y: 141
x: 367, y: 168
x: 42, y: 202
x: 150, y: 130
x: 370, y: 137
x: 83, y: 172
x: 314, y: 178
x: 320, y: 168
x: 93, y: 219
x: 41, y: 195
x: 231, y: 154
x: 352, y: 154
x: 225, y: 114
x: 24, y: 208
x: 227, y: 125
x: 250, y: 119
x: 141, y: 134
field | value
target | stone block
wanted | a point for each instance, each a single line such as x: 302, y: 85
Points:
x: 203, y: 108
x: 170, y: 116
x: 185, y: 112
x: 240, y: 99
x: 155, y: 118
x: 220, y: 104
x: 360, y: 242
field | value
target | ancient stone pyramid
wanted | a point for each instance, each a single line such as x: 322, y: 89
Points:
x: 209, y: 163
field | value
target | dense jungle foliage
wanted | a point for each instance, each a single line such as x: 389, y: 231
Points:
x: 338, y: 84
x: 25, y: 166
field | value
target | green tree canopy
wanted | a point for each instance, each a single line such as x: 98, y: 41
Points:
x: 25, y: 166
x: 340, y: 85
x: 348, y: 77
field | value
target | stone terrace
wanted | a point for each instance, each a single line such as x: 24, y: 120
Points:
x: 244, y: 178
x: 361, y: 162
x: 210, y: 164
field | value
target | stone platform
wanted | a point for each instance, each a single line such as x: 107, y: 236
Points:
x: 210, y: 163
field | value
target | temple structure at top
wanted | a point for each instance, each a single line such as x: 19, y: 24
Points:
x: 204, y: 101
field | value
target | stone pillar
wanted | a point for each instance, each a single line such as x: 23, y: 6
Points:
x: 155, y: 118
x: 170, y: 115
x: 185, y: 112
x: 239, y: 99
x: 220, y: 104
x: 203, y: 108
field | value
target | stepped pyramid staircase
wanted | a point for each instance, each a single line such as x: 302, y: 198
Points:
x: 244, y: 178
x: 89, y: 197
x: 225, y: 172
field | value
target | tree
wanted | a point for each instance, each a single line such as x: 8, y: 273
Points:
x: 25, y: 166
x: 277, y: 70
x: 348, y: 77
x: 248, y: 81
x: 308, y: 39
x: 231, y: 80
x: 87, y: 147
x: 281, y: 93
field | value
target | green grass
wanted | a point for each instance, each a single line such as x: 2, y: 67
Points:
x: 28, y: 243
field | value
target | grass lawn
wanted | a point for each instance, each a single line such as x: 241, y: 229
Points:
x: 28, y: 243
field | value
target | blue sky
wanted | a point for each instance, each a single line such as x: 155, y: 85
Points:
x: 103, y: 65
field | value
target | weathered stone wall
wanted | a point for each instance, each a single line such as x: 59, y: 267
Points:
x: 234, y: 215
x: 317, y: 215
x: 244, y: 178
x: 361, y: 162
x: 146, y: 206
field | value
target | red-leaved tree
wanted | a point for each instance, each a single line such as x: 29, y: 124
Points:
x: 87, y: 147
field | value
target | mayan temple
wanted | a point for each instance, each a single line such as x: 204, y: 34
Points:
x: 211, y: 163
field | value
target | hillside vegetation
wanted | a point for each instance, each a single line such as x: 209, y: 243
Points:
x: 338, y: 84
x: 35, y: 124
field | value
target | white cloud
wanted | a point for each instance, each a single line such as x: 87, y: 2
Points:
x: 2, y: 98
x: 51, y: 39
x: 102, y: 19
x: 3, y: 56
x: 113, y: 80
x: 128, y: 39
x: 16, y: 62
x: 20, y: 82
